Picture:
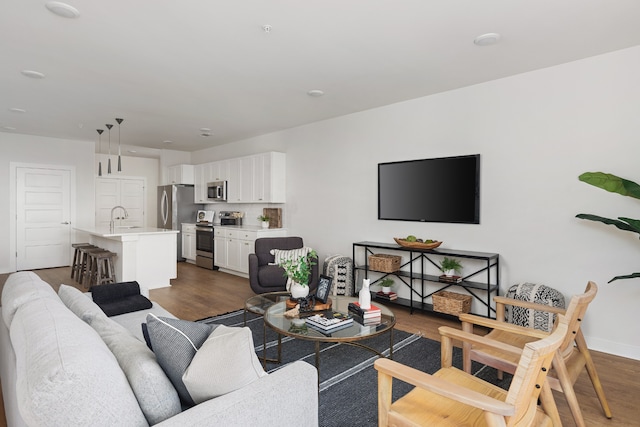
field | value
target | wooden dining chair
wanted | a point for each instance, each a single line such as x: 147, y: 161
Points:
x: 573, y: 355
x: 452, y: 397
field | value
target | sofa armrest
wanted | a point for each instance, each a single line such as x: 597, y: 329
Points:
x: 290, y: 393
x: 253, y: 269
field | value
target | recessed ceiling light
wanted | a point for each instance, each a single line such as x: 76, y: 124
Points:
x: 32, y: 74
x: 17, y: 110
x: 166, y: 141
x: 487, y: 39
x: 205, y: 134
x: 8, y: 128
x: 62, y: 9
x: 205, y: 130
x: 132, y: 151
x: 315, y: 93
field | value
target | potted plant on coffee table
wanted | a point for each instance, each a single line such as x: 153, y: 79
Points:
x: 298, y: 271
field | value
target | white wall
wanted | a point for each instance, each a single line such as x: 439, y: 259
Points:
x: 44, y: 151
x: 536, y: 132
x: 137, y: 167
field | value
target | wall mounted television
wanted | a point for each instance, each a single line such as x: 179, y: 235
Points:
x: 445, y: 189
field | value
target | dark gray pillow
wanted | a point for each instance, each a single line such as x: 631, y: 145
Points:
x: 174, y: 343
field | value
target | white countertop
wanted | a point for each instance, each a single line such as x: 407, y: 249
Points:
x: 246, y: 227
x: 124, y: 231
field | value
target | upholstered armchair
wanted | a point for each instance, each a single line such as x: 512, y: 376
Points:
x: 264, y: 275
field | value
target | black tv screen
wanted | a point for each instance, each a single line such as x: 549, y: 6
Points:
x: 445, y: 189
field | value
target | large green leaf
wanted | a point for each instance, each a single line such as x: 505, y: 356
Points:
x: 628, y: 276
x: 621, y: 225
x: 611, y: 183
x: 634, y: 223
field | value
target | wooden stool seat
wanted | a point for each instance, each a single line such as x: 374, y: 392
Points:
x: 100, y: 268
x: 76, y: 266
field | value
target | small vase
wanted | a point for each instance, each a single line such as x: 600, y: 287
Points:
x: 386, y: 289
x: 298, y: 291
x: 265, y: 224
x: 450, y: 273
x: 364, y: 297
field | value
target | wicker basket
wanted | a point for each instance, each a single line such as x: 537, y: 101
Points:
x: 384, y: 262
x: 451, y: 302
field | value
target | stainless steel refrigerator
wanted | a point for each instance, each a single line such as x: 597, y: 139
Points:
x: 175, y: 206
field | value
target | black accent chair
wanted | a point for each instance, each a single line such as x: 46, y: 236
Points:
x: 264, y: 277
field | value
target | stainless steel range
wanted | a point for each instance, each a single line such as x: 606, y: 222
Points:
x: 204, y: 240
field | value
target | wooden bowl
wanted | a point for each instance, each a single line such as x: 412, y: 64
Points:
x: 416, y: 245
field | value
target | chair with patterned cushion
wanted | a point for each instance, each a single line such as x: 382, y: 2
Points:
x: 572, y: 357
x: 264, y: 274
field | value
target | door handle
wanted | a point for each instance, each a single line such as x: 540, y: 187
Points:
x: 65, y: 223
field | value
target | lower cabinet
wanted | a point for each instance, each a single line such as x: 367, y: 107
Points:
x: 189, y: 242
x: 232, y: 246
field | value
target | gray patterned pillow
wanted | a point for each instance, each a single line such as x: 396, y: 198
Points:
x: 174, y: 343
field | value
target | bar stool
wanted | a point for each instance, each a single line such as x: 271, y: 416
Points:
x: 84, y: 274
x: 76, y: 266
x: 101, y: 268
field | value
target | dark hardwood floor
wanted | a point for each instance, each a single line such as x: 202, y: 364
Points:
x: 200, y: 293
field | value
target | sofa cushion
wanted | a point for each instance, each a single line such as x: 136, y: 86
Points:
x: 22, y: 287
x: 174, y: 343
x: 272, y: 276
x: 226, y: 362
x: 61, y: 362
x: 79, y: 303
x: 156, y: 395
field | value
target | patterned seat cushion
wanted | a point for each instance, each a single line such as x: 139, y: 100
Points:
x: 539, y: 294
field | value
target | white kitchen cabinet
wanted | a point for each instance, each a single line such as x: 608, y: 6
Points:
x: 189, y: 242
x: 232, y: 246
x: 258, y: 178
x: 180, y: 174
x: 126, y: 192
x: 200, y: 184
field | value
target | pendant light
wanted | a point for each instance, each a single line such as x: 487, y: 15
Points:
x: 109, y: 160
x: 119, y: 161
x: 100, y: 150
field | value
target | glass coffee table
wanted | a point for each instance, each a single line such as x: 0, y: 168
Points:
x: 275, y: 319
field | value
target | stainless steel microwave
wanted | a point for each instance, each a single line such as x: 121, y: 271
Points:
x: 217, y: 191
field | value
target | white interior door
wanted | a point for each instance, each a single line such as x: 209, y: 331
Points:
x: 43, y: 225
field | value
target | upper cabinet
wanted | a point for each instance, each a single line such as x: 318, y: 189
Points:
x: 180, y: 174
x: 259, y: 178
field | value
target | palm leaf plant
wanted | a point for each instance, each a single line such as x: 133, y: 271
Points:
x: 624, y: 187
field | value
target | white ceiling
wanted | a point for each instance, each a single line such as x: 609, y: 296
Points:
x: 170, y: 68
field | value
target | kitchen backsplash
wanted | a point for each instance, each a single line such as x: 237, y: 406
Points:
x: 251, y: 211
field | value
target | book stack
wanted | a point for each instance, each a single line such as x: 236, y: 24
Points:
x: 329, y: 321
x: 387, y: 297
x: 450, y: 279
x: 371, y: 316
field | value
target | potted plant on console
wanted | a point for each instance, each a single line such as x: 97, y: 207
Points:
x: 450, y: 266
x: 386, y: 284
x: 264, y: 220
x: 298, y: 271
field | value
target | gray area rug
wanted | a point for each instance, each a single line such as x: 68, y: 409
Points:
x: 348, y: 381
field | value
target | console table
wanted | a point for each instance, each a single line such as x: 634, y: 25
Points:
x: 420, y: 273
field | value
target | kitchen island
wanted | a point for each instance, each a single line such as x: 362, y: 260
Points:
x: 145, y: 254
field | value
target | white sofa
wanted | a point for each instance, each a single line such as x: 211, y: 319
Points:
x: 63, y: 363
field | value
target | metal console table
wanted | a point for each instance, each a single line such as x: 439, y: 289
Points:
x: 417, y: 273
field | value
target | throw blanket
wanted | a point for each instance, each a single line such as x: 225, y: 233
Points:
x: 119, y: 298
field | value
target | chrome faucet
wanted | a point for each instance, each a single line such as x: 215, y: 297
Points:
x: 112, y: 223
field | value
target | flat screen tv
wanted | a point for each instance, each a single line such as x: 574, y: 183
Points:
x: 445, y: 189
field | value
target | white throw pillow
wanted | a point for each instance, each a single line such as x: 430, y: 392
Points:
x: 226, y: 362
x: 80, y: 304
x: 283, y: 255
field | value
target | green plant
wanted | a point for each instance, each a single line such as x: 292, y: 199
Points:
x: 299, y: 269
x: 387, y: 282
x: 624, y: 187
x: 263, y: 218
x: 450, y: 264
